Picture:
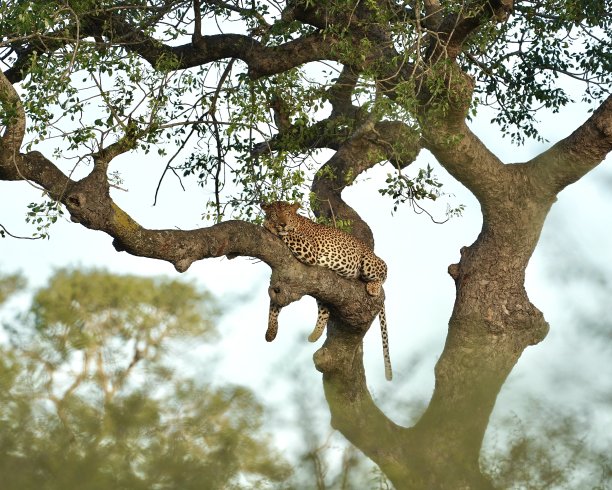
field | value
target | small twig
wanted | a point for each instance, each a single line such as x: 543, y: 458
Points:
x: 4, y: 230
x: 201, y: 119
x: 197, y: 24
x: 216, y: 134
x: 423, y: 210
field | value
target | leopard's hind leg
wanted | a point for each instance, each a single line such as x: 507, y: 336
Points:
x: 374, y: 272
x: 322, y: 317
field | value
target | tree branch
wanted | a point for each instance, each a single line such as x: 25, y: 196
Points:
x: 456, y: 27
x: 353, y: 410
x: 466, y: 158
x: 341, y: 92
x: 433, y: 12
x: 572, y: 157
x: 89, y: 203
x: 261, y: 60
x: 14, y: 117
x: 369, y: 145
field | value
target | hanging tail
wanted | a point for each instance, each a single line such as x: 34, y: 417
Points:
x: 385, y: 343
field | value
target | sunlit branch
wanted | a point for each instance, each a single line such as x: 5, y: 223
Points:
x: 14, y: 118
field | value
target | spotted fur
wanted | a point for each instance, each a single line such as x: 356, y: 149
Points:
x: 315, y: 244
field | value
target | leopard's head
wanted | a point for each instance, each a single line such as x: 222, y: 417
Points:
x: 281, y: 217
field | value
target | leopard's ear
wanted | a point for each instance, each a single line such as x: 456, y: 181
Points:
x: 265, y: 206
x: 295, y: 206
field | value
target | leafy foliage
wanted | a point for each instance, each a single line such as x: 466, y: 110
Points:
x: 520, y: 67
x: 553, y: 455
x: 424, y: 185
x: 86, y: 91
x: 10, y: 284
x: 43, y: 215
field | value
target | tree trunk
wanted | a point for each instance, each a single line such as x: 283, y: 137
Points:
x: 493, y: 321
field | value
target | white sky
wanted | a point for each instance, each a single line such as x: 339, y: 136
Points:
x: 420, y: 293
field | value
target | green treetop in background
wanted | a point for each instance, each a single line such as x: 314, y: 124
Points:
x: 90, y: 398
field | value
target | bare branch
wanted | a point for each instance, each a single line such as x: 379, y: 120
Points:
x: 4, y: 231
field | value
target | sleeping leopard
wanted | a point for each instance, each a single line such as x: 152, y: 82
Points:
x: 312, y: 243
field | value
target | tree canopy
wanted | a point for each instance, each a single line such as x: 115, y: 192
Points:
x: 265, y: 100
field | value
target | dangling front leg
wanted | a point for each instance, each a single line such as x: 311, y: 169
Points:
x: 322, y: 317
x: 273, y: 313
x: 301, y: 247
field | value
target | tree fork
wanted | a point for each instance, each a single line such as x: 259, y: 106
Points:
x: 492, y: 323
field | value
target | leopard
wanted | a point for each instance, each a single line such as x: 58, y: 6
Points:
x: 316, y: 244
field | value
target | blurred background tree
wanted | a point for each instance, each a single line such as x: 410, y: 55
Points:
x: 90, y: 399
x: 94, y: 395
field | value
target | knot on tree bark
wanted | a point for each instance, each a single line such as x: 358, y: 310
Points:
x: 76, y: 205
x: 182, y: 265
x: 119, y: 247
x: 535, y: 326
x: 281, y: 295
x: 76, y: 201
x: 324, y: 360
x: 453, y: 271
x: 88, y: 200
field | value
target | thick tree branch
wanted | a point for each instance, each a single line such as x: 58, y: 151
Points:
x: 572, y: 157
x: 328, y: 133
x: 456, y: 27
x: 433, y: 12
x: 341, y: 92
x: 340, y: 359
x: 89, y: 203
x: 353, y: 410
x: 467, y: 159
x: 13, y: 118
x: 369, y: 145
x: 261, y: 60
x: 493, y: 320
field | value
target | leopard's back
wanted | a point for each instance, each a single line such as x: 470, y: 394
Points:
x: 313, y: 243
x: 335, y: 249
